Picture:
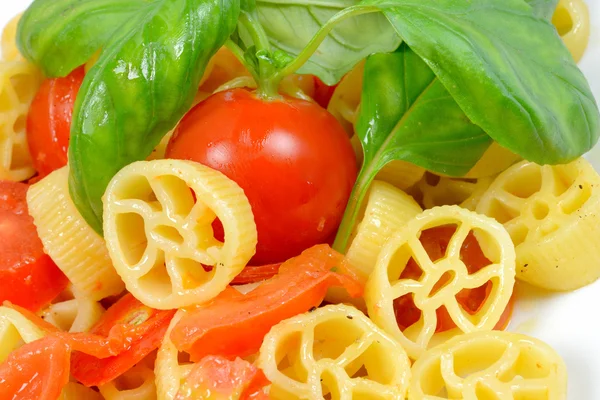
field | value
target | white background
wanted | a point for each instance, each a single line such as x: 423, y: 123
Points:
x: 569, y: 322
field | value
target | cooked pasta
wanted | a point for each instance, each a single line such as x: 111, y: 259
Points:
x: 401, y: 174
x: 386, y: 211
x: 334, y: 352
x: 73, y: 312
x: 8, y: 47
x: 441, y: 280
x: 76, y: 391
x: 15, y: 329
x: 135, y: 384
x: 495, y: 160
x: 19, y: 82
x: 168, y: 368
x: 434, y: 190
x: 489, y: 366
x: 346, y: 98
x: 552, y: 214
x: 157, y: 225
x: 572, y: 21
x: 78, y: 251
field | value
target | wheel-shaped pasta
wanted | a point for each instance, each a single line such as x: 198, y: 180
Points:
x: 135, y: 384
x: 441, y: 280
x: 15, y: 329
x: 73, y: 312
x: 552, y: 214
x: 333, y: 352
x: 78, y: 251
x: 489, y: 365
x: 158, y: 219
x: 346, y: 98
x: 434, y: 190
x: 572, y: 21
x: 19, y: 82
x: 387, y: 209
x: 8, y: 47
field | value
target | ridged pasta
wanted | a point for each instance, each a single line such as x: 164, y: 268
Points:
x: 158, y: 219
x: 441, y: 280
x: 489, y: 366
x: 346, y: 98
x: 79, y: 252
x: 572, y: 21
x: 15, y: 329
x: 135, y: 384
x: 552, y: 214
x: 169, y: 370
x: 434, y: 190
x: 8, y: 48
x: 76, y: 391
x: 19, y: 82
x: 334, y: 352
x: 387, y: 209
x: 73, y: 312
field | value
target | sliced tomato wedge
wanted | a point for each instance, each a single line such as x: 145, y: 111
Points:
x: 435, y: 241
x: 234, y: 325
x: 38, y: 370
x: 216, y: 377
x: 13, y: 197
x: 253, y: 274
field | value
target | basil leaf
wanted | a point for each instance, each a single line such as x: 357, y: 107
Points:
x: 143, y: 83
x: 61, y: 35
x: 543, y: 8
x: 508, y: 70
x: 291, y: 24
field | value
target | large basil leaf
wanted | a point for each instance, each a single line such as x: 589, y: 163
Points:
x: 507, y: 69
x: 60, y: 35
x: 543, y: 8
x: 407, y: 114
x: 143, y: 83
x: 290, y: 24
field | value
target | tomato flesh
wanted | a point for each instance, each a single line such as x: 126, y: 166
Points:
x: 49, y: 121
x: 37, y: 370
x: 435, y: 241
x: 292, y: 158
x: 234, y: 325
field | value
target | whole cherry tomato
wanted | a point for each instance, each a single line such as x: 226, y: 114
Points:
x: 292, y: 158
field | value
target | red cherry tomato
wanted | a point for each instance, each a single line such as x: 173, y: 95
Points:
x: 37, y: 370
x: 291, y: 157
x: 435, y: 241
x: 28, y: 277
x: 323, y: 92
x: 49, y: 121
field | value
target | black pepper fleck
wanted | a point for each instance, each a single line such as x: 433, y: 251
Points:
x: 580, y: 186
x: 349, y: 317
x: 525, y: 266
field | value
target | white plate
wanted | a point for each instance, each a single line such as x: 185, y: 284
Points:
x: 569, y: 322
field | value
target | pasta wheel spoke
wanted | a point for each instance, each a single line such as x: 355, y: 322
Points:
x: 72, y: 311
x: 340, y: 354
x: 442, y: 280
x: 158, y: 217
x: 511, y: 202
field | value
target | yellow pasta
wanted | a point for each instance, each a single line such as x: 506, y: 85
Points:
x: 552, y: 214
x: 78, y: 251
x: 334, y: 352
x: 434, y: 190
x: 489, y: 366
x: 8, y: 48
x: 346, y: 98
x: 135, y: 384
x: 387, y: 210
x: 495, y: 160
x: 76, y: 391
x: 15, y: 329
x: 73, y: 312
x: 401, y: 174
x: 441, y: 280
x: 19, y: 82
x: 170, y: 371
x: 157, y: 226
x: 572, y: 21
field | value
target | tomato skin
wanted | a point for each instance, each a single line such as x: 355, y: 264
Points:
x: 234, y: 325
x: 49, y: 121
x: 35, y: 371
x: 252, y: 274
x: 28, y: 276
x: 323, y: 92
x: 291, y: 157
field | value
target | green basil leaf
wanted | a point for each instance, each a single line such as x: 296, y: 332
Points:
x: 291, y: 24
x: 543, y: 8
x: 507, y: 69
x: 143, y: 83
x: 61, y: 35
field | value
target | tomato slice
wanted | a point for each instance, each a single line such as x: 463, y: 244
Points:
x: 49, y: 121
x: 28, y: 277
x: 252, y: 274
x: 37, y: 370
x: 13, y: 197
x: 216, y: 377
x: 234, y: 325
x: 435, y: 241
x: 125, y: 334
